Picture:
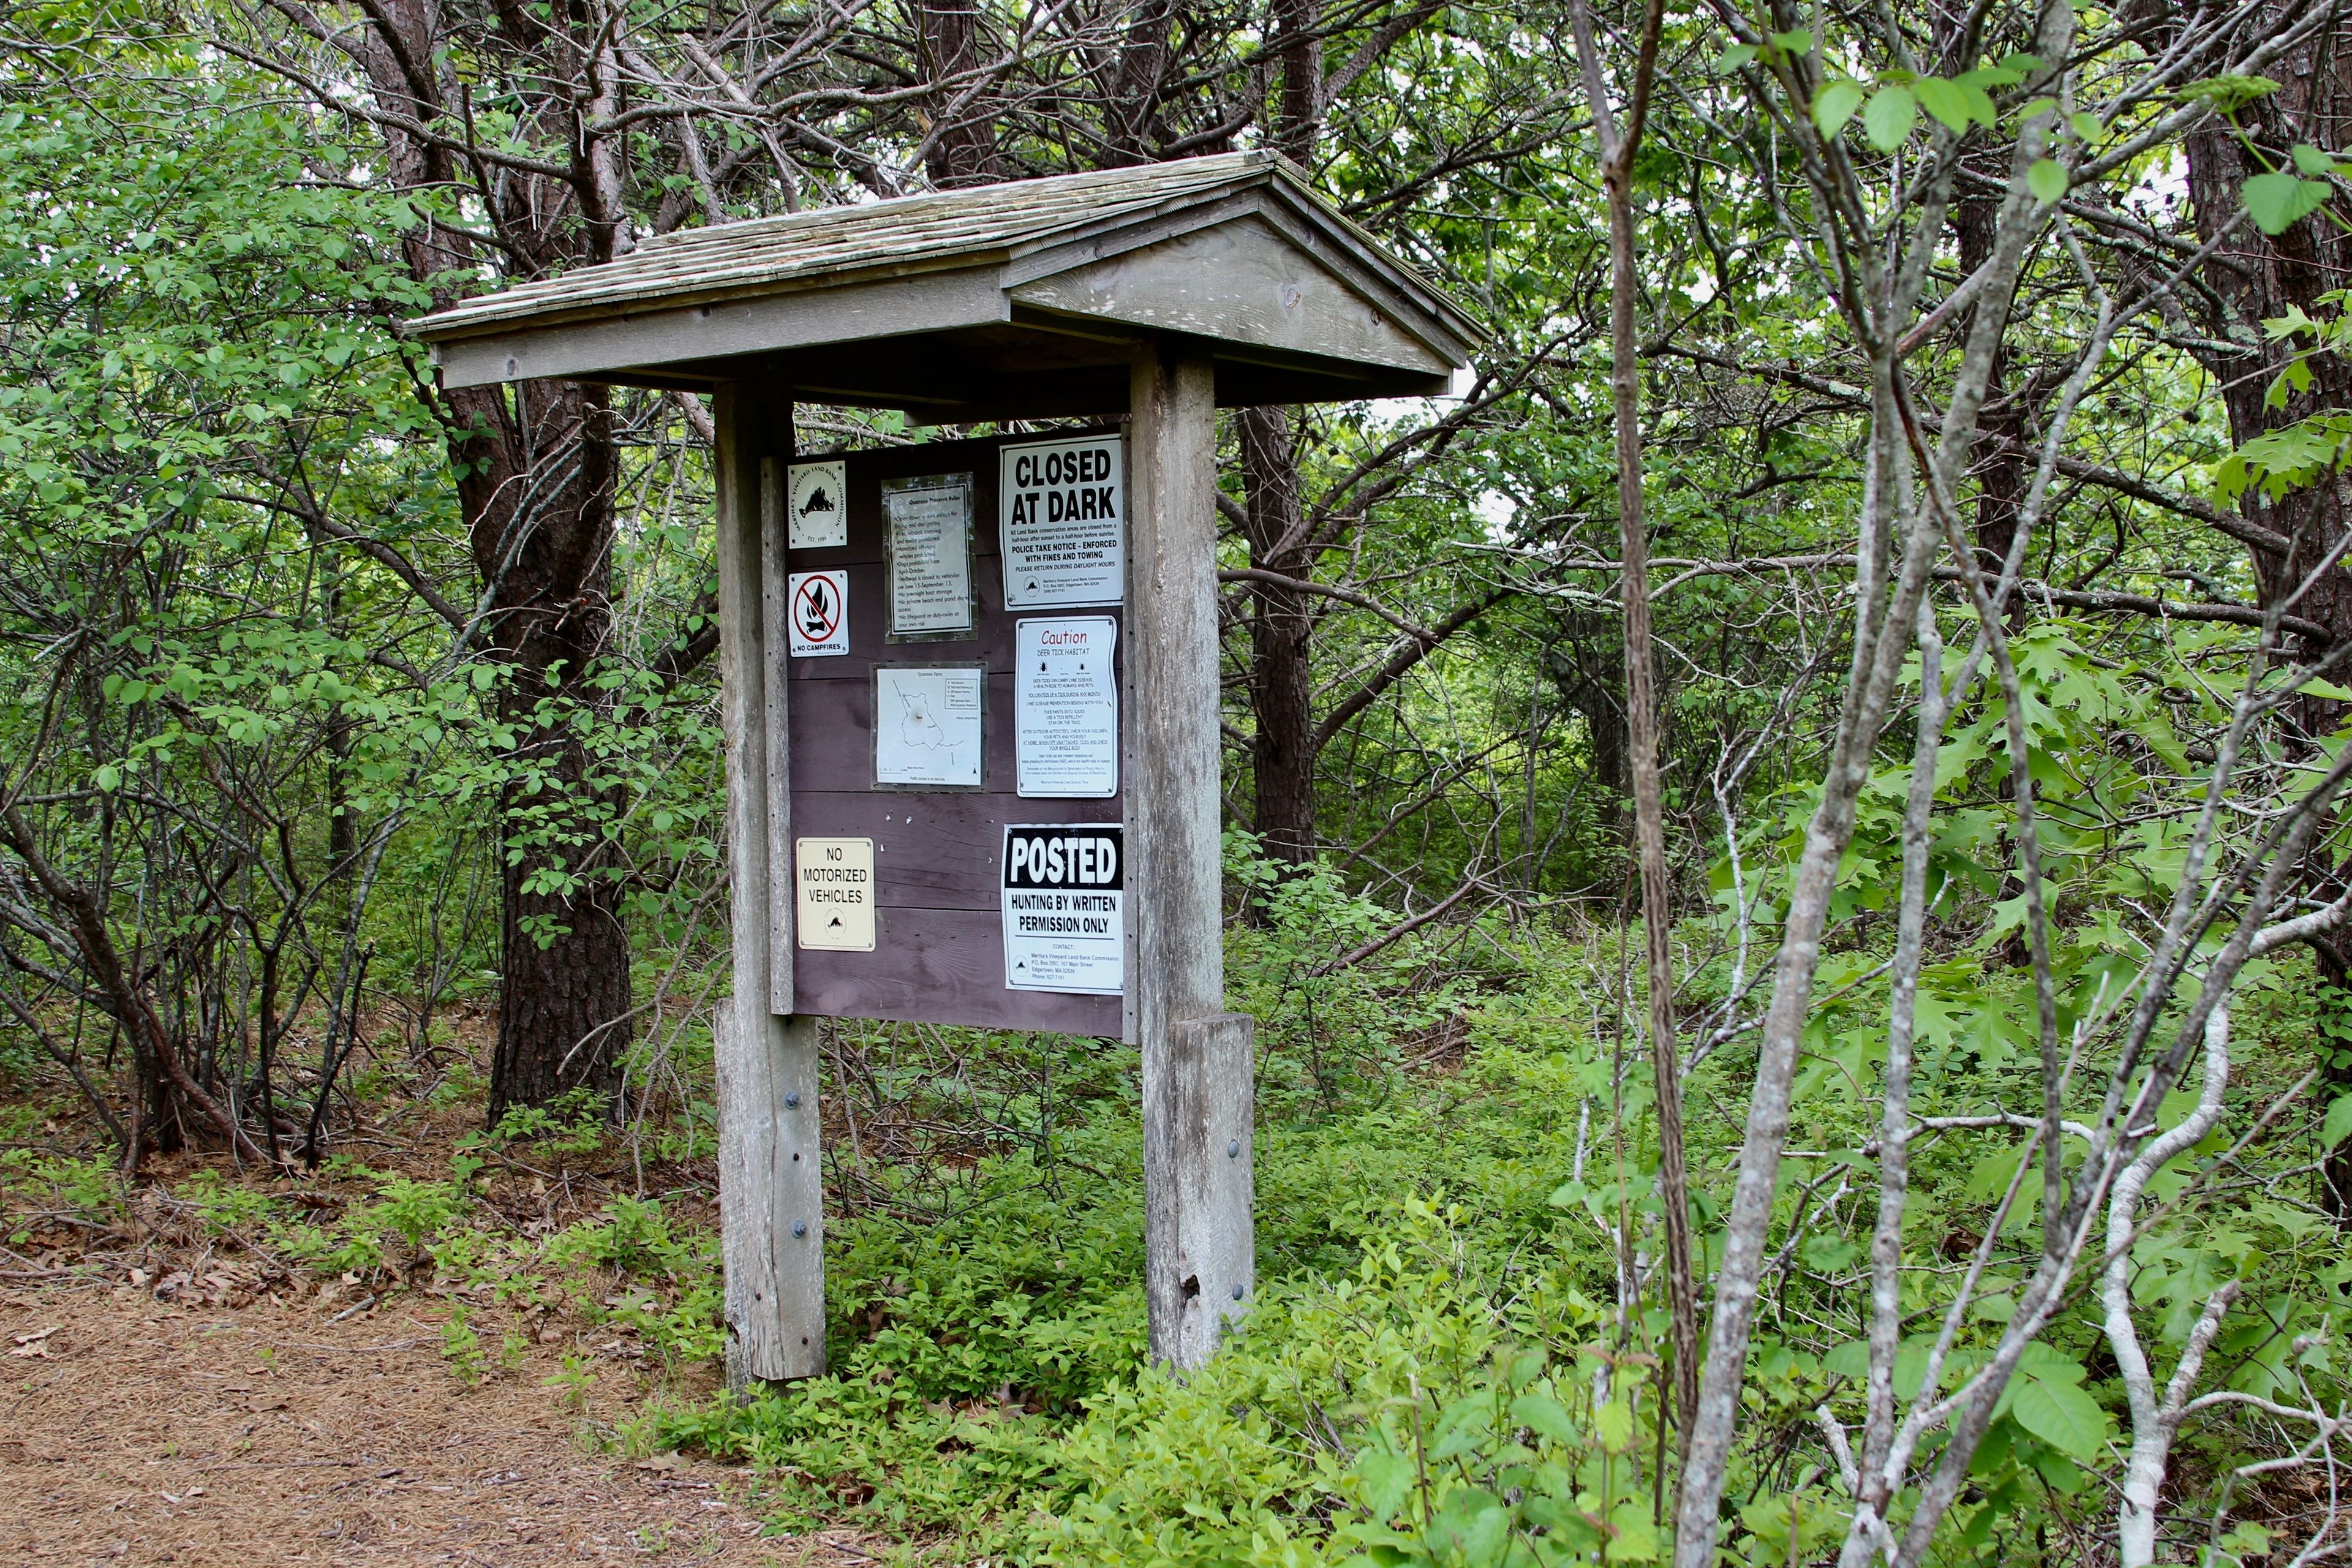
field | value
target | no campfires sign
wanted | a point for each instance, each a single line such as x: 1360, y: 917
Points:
x: 819, y: 613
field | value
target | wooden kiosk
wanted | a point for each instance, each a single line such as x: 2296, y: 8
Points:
x: 971, y: 688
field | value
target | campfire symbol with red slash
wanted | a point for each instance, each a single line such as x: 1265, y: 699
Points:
x: 817, y: 609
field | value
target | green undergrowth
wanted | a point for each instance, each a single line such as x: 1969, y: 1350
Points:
x: 988, y: 1380
x: 1432, y: 1370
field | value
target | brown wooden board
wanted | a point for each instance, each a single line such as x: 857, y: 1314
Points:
x: 939, y: 952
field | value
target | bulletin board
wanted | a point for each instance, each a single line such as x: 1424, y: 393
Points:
x: 957, y: 766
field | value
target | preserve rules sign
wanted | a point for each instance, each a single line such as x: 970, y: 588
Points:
x: 1065, y: 908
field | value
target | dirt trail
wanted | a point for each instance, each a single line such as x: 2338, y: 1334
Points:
x: 138, y: 1432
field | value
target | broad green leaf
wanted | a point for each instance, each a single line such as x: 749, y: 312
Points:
x: 1887, y: 117
x: 1636, y: 1539
x: 1386, y: 1481
x: 1799, y: 42
x: 1615, y: 1422
x: 2087, y: 129
x: 2245, y: 1541
x: 1542, y: 1415
x: 1835, y: 104
x: 1735, y: 56
x: 2286, y: 459
x: 2276, y: 201
x: 2295, y: 378
x: 1946, y: 101
x: 1955, y: 104
x: 1851, y: 1360
x: 2332, y: 1130
x: 2310, y: 160
x: 2061, y: 1415
x: 1488, y: 1537
x: 2046, y: 180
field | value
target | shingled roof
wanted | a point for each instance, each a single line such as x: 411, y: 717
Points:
x: 983, y: 271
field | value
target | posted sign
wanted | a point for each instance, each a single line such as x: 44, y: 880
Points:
x: 1065, y: 908
x: 1061, y: 509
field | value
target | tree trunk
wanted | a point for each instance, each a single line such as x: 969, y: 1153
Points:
x: 2252, y: 278
x: 1282, y: 626
x: 563, y: 994
x: 2000, y: 469
x: 535, y: 472
x: 1281, y: 677
x: 963, y: 151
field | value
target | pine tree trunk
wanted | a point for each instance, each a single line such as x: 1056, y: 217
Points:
x: 962, y: 151
x: 1281, y: 676
x: 546, y: 547
x: 1282, y: 627
x: 2252, y: 278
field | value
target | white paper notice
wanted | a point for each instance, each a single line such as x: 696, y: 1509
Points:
x: 834, y: 879
x: 929, y: 525
x: 819, y: 613
x: 927, y: 726
x: 1062, y: 510
x: 819, y: 512
x: 1065, y: 908
x: 1065, y: 708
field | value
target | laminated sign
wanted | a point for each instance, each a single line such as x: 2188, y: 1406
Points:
x: 927, y: 553
x: 1065, y: 908
x: 1061, y: 509
x: 1065, y: 708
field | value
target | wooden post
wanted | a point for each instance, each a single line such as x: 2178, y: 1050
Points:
x: 770, y: 1192
x: 1199, y: 1248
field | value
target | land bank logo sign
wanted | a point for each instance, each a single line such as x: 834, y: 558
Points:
x: 817, y: 505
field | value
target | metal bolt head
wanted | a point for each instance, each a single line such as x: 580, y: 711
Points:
x: 793, y: 1101
x: 1237, y: 1293
x: 1233, y: 1150
x: 800, y: 1227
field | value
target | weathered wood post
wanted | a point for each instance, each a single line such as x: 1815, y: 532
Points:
x: 1200, y: 1260
x: 771, y: 1187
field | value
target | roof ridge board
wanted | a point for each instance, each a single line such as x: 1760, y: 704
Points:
x: 1134, y: 174
x: 576, y: 288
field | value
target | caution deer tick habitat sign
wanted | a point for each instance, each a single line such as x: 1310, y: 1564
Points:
x: 1065, y: 908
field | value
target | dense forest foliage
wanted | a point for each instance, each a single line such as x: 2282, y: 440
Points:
x: 1782, y: 840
